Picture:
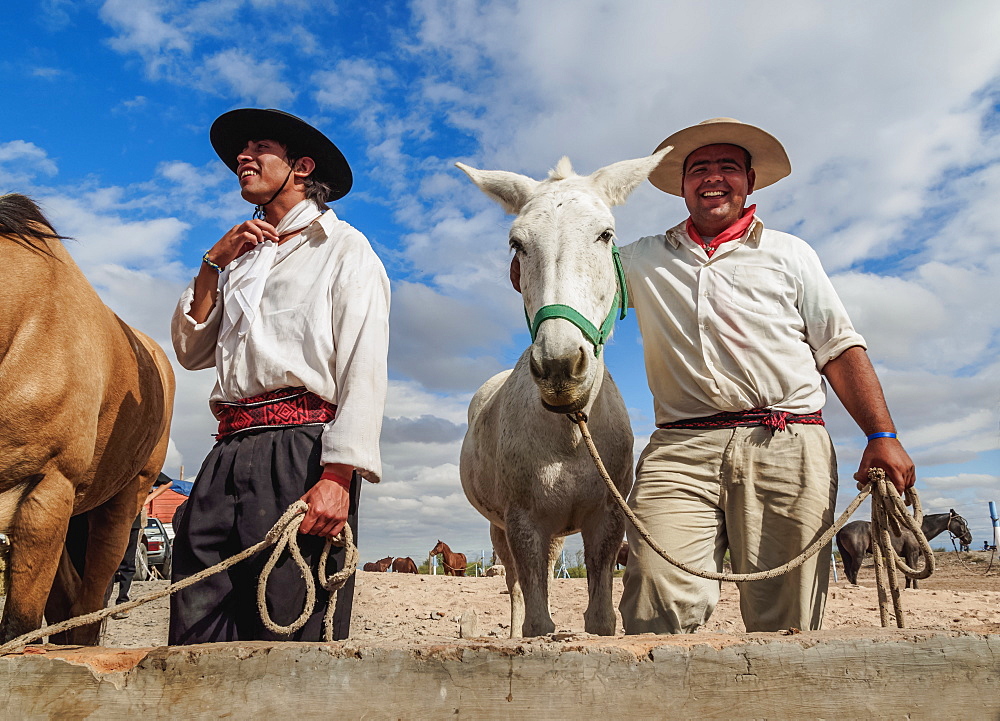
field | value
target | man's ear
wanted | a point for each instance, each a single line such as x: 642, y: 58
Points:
x: 304, y: 166
x: 751, y: 179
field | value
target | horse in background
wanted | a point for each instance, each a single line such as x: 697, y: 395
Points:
x: 454, y: 563
x: 524, y: 466
x: 404, y: 565
x: 380, y: 566
x: 85, y: 407
x: 854, y: 540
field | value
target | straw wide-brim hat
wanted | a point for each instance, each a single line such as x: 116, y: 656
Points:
x: 767, y: 156
x: 231, y: 131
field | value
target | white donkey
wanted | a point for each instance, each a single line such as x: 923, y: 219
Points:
x: 524, y: 464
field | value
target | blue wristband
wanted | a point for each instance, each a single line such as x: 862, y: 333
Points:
x: 873, y: 436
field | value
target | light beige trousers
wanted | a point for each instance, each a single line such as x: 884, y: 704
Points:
x: 762, y: 497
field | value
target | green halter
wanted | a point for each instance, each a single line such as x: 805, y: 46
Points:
x: 596, y: 336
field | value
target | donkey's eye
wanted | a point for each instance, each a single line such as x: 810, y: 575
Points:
x: 515, y: 245
x: 607, y: 235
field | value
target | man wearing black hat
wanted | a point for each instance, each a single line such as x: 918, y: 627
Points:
x: 291, y: 309
x: 740, y: 326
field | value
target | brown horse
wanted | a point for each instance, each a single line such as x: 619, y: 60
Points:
x: 85, y: 405
x: 380, y: 566
x: 404, y: 565
x: 454, y: 563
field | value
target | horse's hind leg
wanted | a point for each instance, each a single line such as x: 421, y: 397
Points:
x: 555, y: 549
x: 602, y: 534
x: 109, y: 530
x: 499, y: 539
x: 38, y: 533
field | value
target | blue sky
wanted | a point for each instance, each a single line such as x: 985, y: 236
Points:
x: 888, y: 112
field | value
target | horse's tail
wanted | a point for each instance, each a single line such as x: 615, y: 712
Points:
x: 21, y: 218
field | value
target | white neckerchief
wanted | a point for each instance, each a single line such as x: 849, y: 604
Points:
x: 243, y: 280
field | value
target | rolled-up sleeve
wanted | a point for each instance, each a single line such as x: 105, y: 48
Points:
x: 195, y: 343
x: 360, y: 366
x: 829, y: 330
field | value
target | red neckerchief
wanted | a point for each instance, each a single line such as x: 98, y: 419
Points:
x: 736, y: 230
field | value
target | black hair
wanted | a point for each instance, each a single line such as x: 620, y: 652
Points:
x: 21, y: 217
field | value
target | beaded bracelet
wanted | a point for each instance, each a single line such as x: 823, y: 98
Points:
x: 207, y: 261
x: 884, y: 434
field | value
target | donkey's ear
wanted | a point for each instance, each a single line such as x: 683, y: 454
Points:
x: 618, y: 180
x: 511, y: 190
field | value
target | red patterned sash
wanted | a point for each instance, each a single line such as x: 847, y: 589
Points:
x: 775, y: 420
x: 271, y: 409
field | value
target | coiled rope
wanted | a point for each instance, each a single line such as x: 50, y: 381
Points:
x: 888, y: 512
x: 284, y: 534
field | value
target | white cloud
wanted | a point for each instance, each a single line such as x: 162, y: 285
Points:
x: 353, y: 84
x: 240, y: 74
x: 101, y: 236
x: 21, y: 162
x: 143, y: 30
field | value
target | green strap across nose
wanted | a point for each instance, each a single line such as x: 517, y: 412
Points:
x: 597, y: 336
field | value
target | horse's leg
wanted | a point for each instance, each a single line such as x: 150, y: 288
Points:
x: 912, y: 556
x: 530, y: 551
x: 555, y: 549
x: 109, y: 526
x: 602, y: 534
x: 500, y: 547
x: 38, y: 534
x: 66, y: 585
x: 850, y: 567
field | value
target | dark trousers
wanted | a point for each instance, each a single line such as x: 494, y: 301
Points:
x: 246, y: 483
x: 126, y: 569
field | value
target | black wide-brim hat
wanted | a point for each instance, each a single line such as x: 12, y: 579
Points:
x: 231, y: 131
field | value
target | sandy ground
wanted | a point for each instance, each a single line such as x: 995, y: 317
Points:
x: 389, y: 606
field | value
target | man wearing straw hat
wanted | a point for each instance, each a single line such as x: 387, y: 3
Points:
x: 291, y: 309
x: 740, y: 325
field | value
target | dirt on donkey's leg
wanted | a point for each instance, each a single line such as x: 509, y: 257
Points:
x: 499, y: 538
x: 530, y: 552
x: 601, y: 538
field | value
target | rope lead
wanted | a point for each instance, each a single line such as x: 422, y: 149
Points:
x: 284, y: 533
x: 887, y: 511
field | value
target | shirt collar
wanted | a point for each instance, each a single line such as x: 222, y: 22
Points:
x: 325, y: 223
x: 678, y: 234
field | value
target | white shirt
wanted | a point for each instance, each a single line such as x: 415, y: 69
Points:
x: 323, y: 323
x: 750, y: 327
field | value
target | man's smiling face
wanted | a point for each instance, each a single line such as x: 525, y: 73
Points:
x: 717, y: 181
x: 263, y: 167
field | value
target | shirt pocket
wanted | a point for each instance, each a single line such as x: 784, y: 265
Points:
x: 759, y: 289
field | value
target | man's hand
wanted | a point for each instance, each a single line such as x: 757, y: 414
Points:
x: 329, y: 502
x: 889, y: 455
x: 231, y: 246
x: 240, y: 239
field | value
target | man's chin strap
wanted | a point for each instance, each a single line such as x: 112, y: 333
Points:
x: 258, y: 212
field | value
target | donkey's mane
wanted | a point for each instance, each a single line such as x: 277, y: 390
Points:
x: 563, y: 170
x: 23, y: 222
